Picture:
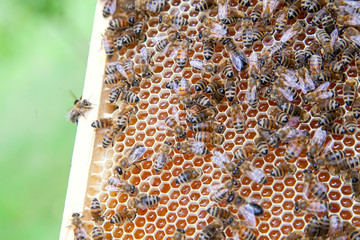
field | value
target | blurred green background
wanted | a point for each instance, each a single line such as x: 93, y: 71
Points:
x: 43, y: 54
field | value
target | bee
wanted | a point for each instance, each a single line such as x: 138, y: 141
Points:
x: 108, y: 43
x: 305, y: 80
x: 237, y: 117
x: 350, y: 89
x: 325, y: 41
x: 261, y: 32
x: 268, y: 9
x: 79, y: 109
x: 245, y: 152
x: 279, y: 116
x: 115, y: 78
x: 230, y: 89
x: 268, y: 53
x: 163, y: 44
x: 143, y: 201
x: 292, y: 33
x: 126, y: 96
x: 216, y: 29
x: 312, y: 206
x: 201, y: 84
x: 321, y: 93
x: 295, y: 147
x: 111, y: 125
x: 316, y: 142
x: 97, y: 234
x: 182, y: 53
x: 123, y: 216
x: 314, y: 186
x: 115, y: 184
x: 324, y: 106
x: 329, y: 158
x: 202, y: 101
x: 79, y: 228
x: 252, y: 94
x: 197, y: 148
x: 336, y: 228
x: 261, y: 145
x: 96, y: 211
x: 355, y: 185
x: 173, y: 20
x: 181, y: 87
x: 312, y: 228
x: 238, y: 58
x: 223, y: 190
x: 210, y: 230
x: 154, y: 6
x: 295, y: 235
x: 350, y: 122
x: 247, y: 32
x: 177, y: 128
x: 295, y: 111
x: 346, y: 58
x: 213, y: 86
x: 324, y: 225
x: 248, y: 209
x: 282, y: 169
x: 267, y: 124
x: 294, y: 10
x: 315, y: 6
x: 128, y: 37
x: 281, y: 20
x: 146, y: 63
x: 242, y: 231
x: 162, y: 157
x: 194, y: 115
x: 254, y: 173
x: 127, y: 69
x: 285, y: 58
x: 219, y: 213
x: 245, y: 3
x: 179, y: 234
x: 208, y: 126
x: 329, y: 117
x: 118, y: 23
x: 204, y: 5
x: 109, y: 8
x: 203, y: 67
x: 315, y: 62
x: 233, y: 17
x: 226, y: 68
x: 132, y: 158
x: 346, y: 164
x: 223, y: 161
x: 206, y: 137
x: 339, y: 46
x: 356, y: 108
x: 124, y: 117
x: 208, y: 48
x: 256, y: 13
x: 138, y: 26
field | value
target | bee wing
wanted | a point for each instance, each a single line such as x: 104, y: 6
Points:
x: 197, y: 64
x: 215, y: 187
x: 334, y: 36
x: 161, y: 126
x: 288, y: 35
x: 223, y: 9
x: 255, y: 173
x: 309, y: 83
x: 356, y: 39
x: 112, y: 189
x: 248, y: 213
x: 269, y: 43
x: 319, y: 137
x: 287, y: 94
x: 113, y: 6
x: 174, y: 52
x: 121, y: 70
x: 219, y: 159
x: 273, y: 4
x: 323, y: 86
x: 239, y: 61
x: 137, y: 153
x: 159, y: 38
x: 254, y: 60
x: 250, y: 93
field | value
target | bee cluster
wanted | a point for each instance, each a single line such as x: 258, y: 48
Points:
x: 228, y: 119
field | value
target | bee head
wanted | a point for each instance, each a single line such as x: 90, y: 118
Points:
x: 182, y: 135
x: 160, y: 19
x: 168, y: 143
x: 119, y: 170
x: 76, y: 101
x: 180, y: 230
x: 296, y: 207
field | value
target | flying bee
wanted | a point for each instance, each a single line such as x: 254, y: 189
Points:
x: 237, y: 117
x: 79, y: 109
x: 182, y: 52
x: 295, y: 147
x: 219, y: 213
x: 132, y: 158
x: 123, y: 216
x: 350, y: 89
x: 197, y: 148
x: 279, y: 116
x: 79, y: 228
x: 206, y: 137
x: 320, y: 93
x: 179, y: 234
x: 268, y: 9
x: 237, y: 57
x: 210, y: 230
x: 248, y: 209
x: 217, y: 30
x: 108, y: 43
x: 254, y: 173
x: 316, y: 142
x: 203, y: 67
x: 324, y: 106
x: 314, y: 186
x: 115, y: 184
x: 181, y: 87
x: 294, y: 111
x: 283, y: 169
x: 241, y: 231
x: 223, y: 161
x: 325, y: 41
x: 143, y: 201
x: 109, y: 8
x: 350, y: 122
x: 162, y: 157
x: 195, y: 115
x: 163, y: 44
x: 127, y: 69
x: 208, y: 126
x: 97, y: 234
x: 146, y: 64
x: 312, y: 206
x: 96, y: 211
x: 173, y: 20
x: 329, y: 117
x: 222, y: 190
x: 189, y: 175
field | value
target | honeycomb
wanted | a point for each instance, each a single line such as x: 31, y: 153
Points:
x: 185, y: 206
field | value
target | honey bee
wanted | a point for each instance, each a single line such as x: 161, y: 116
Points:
x: 252, y: 94
x: 230, y: 89
x: 223, y: 190
x: 146, y: 63
x: 268, y: 124
x: 108, y: 43
x: 356, y: 108
x: 315, y: 6
x: 162, y: 157
x: 132, y: 158
x: 79, y: 109
x: 176, y: 128
x: 292, y: 33
x: 118, y: 23
x: 355, y: 185
x: 202, y: 101
x: 345, y: 164
x: 226, y: 68
x: 248, y: 209
x: 312, y: 228
x: 201, y: 84
x: 315, y: 62
x: 111, y: 125
x: 143, y: 201
x: 173, y: 20
x: 208, y: 48
x: 219, y: 213
x: 124, y: 116
x: 316, y: 142
x: 197, y: 148
x: 115, y: 184
x: 115, y: 78
x: 208, y: 126
x: 346, y: 58
x: 223, y: 161
x: 204, y: 5
x: 350, y: 122
x: 261, y: 145
x: 339, y: 46
x: 321, y: 93
x: 206, y: 137
x: 128, y: 37
x: 279, y: 116
x: 254, y: 173
x: 268, y: 8
x: 217, y: 30
x: 295, y: 147
x: 295, y: 236
x: 79, y: 228
x: 247, y: 32
x: 324, y: 106
x: 232, y: 17
x: 164, y: 43
x: 350, y: 89
x: 109, y: 8
x: 282, y: 169
x: 245, y: 152
x: 238, y: 58
x: 213, y: 86
x: 336, y: 228
x: 118, y: 92
x: 281, y: 19
x: 255, y: 15
x: 96, y: 211
x: 325, y: 41
x: 127, y: 69
x: 97, y: 234
x: 242, y: 231
x: 153, y: 6
x: 181, y: 87
x: 305, y: 80
x: 294, y: 10
x: 194, y: 115
x: 123, y: 216
x: 203, y: 67
x: 237, y: 117
x: 328, y: 158
x: 285, y: 58
x: 182, y: 52
x: 295, y: 111
x: 179, y: 234
x: 312, y: 206
x: 245, y: 3
x: 210, y: 230
x: 329, y: 117
x: 313, y: 186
